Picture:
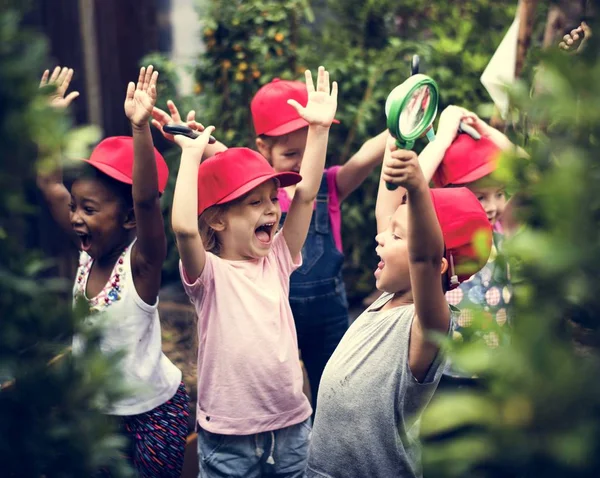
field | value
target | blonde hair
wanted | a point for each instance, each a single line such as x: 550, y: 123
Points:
x: 210, y: 240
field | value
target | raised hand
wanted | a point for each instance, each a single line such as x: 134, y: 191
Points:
x: 402, y: 168
x: 61, y: 77
x: 571, y: 41
x: 322, y: 103
x: 195, y: 146
x: 140, y: 98
x: 162, y: 118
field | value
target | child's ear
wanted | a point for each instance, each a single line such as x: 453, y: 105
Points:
x: 444, y: 268
x: 263, y: 148
x: 218, y: 225
x: 129, y: 222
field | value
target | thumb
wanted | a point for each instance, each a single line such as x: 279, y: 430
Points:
x: 297, y: 106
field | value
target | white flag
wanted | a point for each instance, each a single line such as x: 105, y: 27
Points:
x: 500, y: 71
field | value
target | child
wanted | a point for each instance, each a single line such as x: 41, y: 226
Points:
x: 385, y: 369
x: 253, y: 418
x: 471, y: 163
x: 317, y: 291
x: 113, y: 213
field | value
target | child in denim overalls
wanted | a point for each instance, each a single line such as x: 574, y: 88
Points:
x: 317, y: 292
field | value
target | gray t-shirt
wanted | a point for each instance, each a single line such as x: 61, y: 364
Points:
x: 367, y: 421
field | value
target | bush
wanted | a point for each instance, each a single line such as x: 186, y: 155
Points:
x: 50, y: 419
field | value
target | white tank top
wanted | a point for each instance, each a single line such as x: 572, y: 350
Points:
x: 132, y: 326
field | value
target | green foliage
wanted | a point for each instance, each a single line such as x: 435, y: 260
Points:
x: 367, y: 46
x: 50, y: 419
x: 537, y: 413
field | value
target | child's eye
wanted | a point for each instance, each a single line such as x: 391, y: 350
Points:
x: 275, y: 199
x: 255, y: 202
x: 395, y: 236
x: 89, y: 210
x: 71, y: 207
x: 289, y: 155
x: 500, y: 194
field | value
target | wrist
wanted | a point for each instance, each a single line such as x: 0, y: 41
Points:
x: 319, y: 129
x: 191, y: 155
x: 135, y: 127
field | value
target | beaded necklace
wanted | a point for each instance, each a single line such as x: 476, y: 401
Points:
x: 111, y: 292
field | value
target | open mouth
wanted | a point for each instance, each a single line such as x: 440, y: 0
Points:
x: 85, y: 241
x: 265, y: 232
x: 380, y: 267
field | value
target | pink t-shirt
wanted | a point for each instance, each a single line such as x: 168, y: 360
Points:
x: 335, y: 214
x: 249, y: 374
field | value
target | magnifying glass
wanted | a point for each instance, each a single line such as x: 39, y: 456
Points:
x: 185, y: 130
x: 410, y: 109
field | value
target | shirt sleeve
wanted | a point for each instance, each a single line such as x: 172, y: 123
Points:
x: 197, y: 290
x: 281, y: 252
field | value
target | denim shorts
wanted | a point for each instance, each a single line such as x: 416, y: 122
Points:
x: 281, y: 453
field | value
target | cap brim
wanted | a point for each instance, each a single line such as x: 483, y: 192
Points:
x: 285, y: 179
x: 476, y: 174
x: 290, y: 126
x: 110, y: 172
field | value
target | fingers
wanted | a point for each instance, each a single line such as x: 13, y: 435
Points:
x: 156, y: 124
x: 161, y: 116
x: 334, y: 91
x: 175, y: 116
x: 63, y: 85
x: 191, y: 116
x: 130, y: 90
x: 54, y: 75
x: 310, y: 86
x: 148, y: 77
x: 322, y: 80
x: 44, y: 80
x: 71, y: 96
x: 141, y: 76
x: 196, y: 126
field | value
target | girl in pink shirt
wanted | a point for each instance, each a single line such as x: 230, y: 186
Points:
x: 235, y: 265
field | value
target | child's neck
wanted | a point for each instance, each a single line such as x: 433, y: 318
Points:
x: 400, y: 298
x: 109, y: 259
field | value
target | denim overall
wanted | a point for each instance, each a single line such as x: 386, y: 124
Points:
x: 318, y: 294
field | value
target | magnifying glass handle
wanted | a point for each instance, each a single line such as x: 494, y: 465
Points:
x: 185, y: 131
x: 414, y: 65
x: 472, y: 132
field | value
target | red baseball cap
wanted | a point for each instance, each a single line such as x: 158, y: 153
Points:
x: 271, y: 114
x: 466, y: 161
x: 114, y: 157
x: 234, y: 172
x: 466, y: 230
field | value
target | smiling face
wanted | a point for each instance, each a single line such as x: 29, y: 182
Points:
x: 491, y: 197
x: 284, y: 152
x: 392, y: 274
x: 99, y: 217
x: 246, y: 228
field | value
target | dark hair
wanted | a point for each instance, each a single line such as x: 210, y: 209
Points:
x: 119, y: 189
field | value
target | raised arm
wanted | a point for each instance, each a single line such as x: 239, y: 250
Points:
x: 387, y: 201
x: 352, y: 174
x: 425, y: 260
x: 184, y: 217
x: 319, y: 113
x: 150, y: 250
x: 162, y: 118
x: 50, y: 182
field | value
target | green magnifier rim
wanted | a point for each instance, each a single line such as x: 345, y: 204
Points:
x: 397, y: 106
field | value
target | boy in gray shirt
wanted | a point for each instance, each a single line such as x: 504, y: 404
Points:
x: 385, y: 370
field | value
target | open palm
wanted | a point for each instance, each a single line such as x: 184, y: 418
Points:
x: 322, y: 103
x: 140, y: 98
x: 61, y: 78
